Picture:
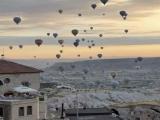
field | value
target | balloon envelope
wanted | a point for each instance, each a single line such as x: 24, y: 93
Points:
x: 17, y: 20
x: 20, y: 46
x: 10, y: 47
x: 126, y: 31
x: 75, y: 32
x: 60, y: 11
x: 38, y: 42
x: 94, y: 6
x: 60, y: 42
x: 48, y: 34
x: 99, y: 55
x: 124, y: 14
x: 55, y: 35
x: 104, y: 1
x: 76, y: 44
x: 58, y: 56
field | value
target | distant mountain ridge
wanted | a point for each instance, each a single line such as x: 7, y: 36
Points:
x: 97, y: 73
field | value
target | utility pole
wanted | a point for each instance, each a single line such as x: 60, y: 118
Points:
x: 77, y: 103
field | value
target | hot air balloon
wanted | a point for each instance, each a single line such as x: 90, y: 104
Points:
x: 94, y: 6
x: 20, y: 46
x: 2, y: 55
x: 124, y: 14
x: 126, y: 31
x: 60, y: 11
x: 55, y: 35
x: 102, y: 48
x: 73, y: 66
x: 10, y: 47
x: 60, y: 42
x: 75, y: 32
x: 139, y: 59
x: 78, y: 55
x: 76, y: 44
x: 135, y: 60
x: 61, y: 51
x: 103, y: 14
x: 48, y: 34
x: 90, y: 57
x: 38, y: 42
x: 85, y: 31
x: 93, y: 44
x: 104, y: 1
x: 99, y: 55
x: 77, y: 40
x: 83, y: 39
x: 100, y: 35
x: 113, y: 74
x: 17, y: 20
x: 79, y: 14
x: 34, y: 57
x: 91, y: 28
x: 89, y: 47
x: 58, y: 56
x: 85, y: 71
x: 61, y: 69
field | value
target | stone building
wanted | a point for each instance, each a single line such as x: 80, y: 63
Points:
x: 19, y: 93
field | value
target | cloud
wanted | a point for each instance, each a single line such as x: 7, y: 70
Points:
x: 42, y: 15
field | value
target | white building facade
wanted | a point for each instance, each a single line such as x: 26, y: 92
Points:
x: 25, y: 104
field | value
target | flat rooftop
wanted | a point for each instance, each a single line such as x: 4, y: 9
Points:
x: 15, y: 98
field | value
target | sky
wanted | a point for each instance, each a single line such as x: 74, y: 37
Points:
x: 41, y: 16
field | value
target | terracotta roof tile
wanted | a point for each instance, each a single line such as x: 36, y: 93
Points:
x: 8, y: 67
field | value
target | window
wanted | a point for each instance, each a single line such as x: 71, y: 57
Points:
x: 21, y: 111
x: 41, y: 98
x: 1, y: 112
x: 27, y: 84
x: 137, y: 118
x: 29, y: 110
x: 9, y: 93
x: 1, y: 83
x: 7, y: 80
